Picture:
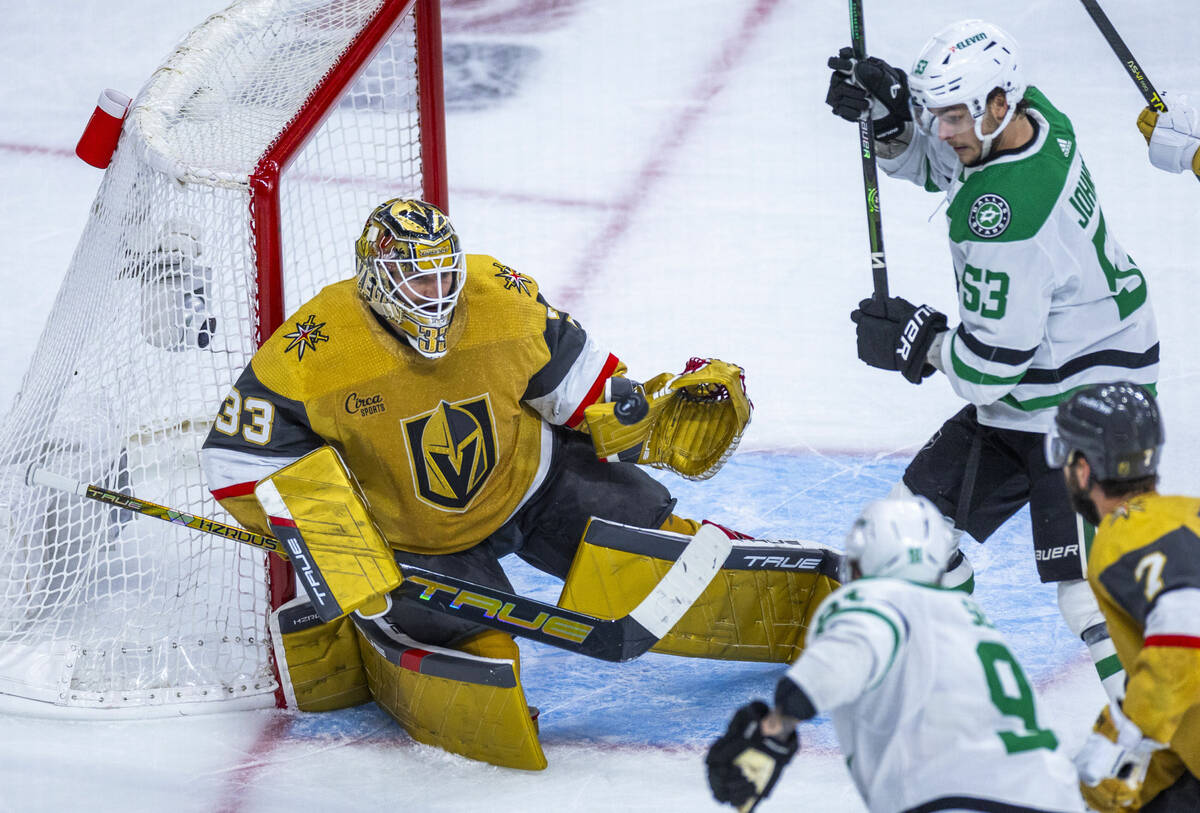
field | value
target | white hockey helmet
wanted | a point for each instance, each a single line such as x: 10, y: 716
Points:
x: 962, y: 64
x: 901, y: 538
x: 411, y: 271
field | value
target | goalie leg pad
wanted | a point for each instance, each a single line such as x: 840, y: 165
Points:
x: 757, y: 608
x: 316, y: 510
x: 462, y: 702
x: 319, y: 663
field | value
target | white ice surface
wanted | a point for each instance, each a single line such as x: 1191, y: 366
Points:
x: 670, y: 175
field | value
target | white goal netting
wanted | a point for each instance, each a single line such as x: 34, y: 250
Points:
x: 160, y: 310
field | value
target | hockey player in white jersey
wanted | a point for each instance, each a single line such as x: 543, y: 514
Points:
x: 932, y: 711
x: 1048, y: 301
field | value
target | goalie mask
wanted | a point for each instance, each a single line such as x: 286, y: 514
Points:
x: 411, y: 271
x: 900, y: 538
x: 962, y: 64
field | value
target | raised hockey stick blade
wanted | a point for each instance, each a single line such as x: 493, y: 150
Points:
x: 1123, y: 53
x: 618, y: 639
x: 866, y: 138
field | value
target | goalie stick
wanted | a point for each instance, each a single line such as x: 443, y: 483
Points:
x: 618, y: 639
x: 866, y: 138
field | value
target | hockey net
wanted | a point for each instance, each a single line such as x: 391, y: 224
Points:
x: 245, y: 170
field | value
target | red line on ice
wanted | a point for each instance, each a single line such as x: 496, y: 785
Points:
x: 235, y: 795
x: 516, y: 197
x: 33, y: 149
x: 712, y: 82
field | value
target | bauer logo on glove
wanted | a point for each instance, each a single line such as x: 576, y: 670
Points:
x: 894, y: 334
x: 694, y: 422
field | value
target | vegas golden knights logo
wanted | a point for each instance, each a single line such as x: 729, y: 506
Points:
x: 452, y: 449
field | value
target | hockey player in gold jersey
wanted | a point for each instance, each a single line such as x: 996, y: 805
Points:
x: 1144, y: 567
x: 476, y: 420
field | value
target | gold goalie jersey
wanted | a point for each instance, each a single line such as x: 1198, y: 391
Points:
x: 1144, y: 567
x: 445, y: 450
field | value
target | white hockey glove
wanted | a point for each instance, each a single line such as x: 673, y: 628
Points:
x: 1173, y: 136
x: 1113, y: 761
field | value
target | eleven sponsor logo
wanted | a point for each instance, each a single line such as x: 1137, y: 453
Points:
x: 969, y: 41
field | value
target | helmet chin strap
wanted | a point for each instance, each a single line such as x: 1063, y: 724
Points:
x: 985, y: 149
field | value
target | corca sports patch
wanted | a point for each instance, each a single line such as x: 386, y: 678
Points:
x: 990, y: 216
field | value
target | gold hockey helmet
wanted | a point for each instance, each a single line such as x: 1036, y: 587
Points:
x: 411, y: 270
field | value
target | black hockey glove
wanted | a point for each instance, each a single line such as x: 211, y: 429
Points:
x: 857, y: 86
x: 896, y: 334
x: 744, y: 764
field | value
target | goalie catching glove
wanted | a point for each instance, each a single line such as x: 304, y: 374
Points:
x: 694, y: 422
x: 744, y: 764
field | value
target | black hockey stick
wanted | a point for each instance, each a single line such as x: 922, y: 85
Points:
x: 618, y: 639
x: 1123, y: 53
x: 866, y: 138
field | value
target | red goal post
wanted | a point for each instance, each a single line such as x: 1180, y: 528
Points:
x: 265, y: 202
x: 245, y: 169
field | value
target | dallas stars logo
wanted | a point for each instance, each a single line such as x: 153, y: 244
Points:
x: 989, y: 216
x: 306, y: 335
x: 513, y: 279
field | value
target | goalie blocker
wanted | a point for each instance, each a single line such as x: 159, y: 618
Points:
x: 315, y: 509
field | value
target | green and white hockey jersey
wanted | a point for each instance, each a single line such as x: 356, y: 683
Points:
x: 929, y: 704
x: 1048, y: 300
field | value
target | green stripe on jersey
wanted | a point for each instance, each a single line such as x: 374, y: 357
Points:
x: 1108, y: 666
x: 891, y: 625
x: 969, y: 374
x: 1047, y: 401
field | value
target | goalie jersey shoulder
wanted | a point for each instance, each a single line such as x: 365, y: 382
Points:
x: 307, y: 354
